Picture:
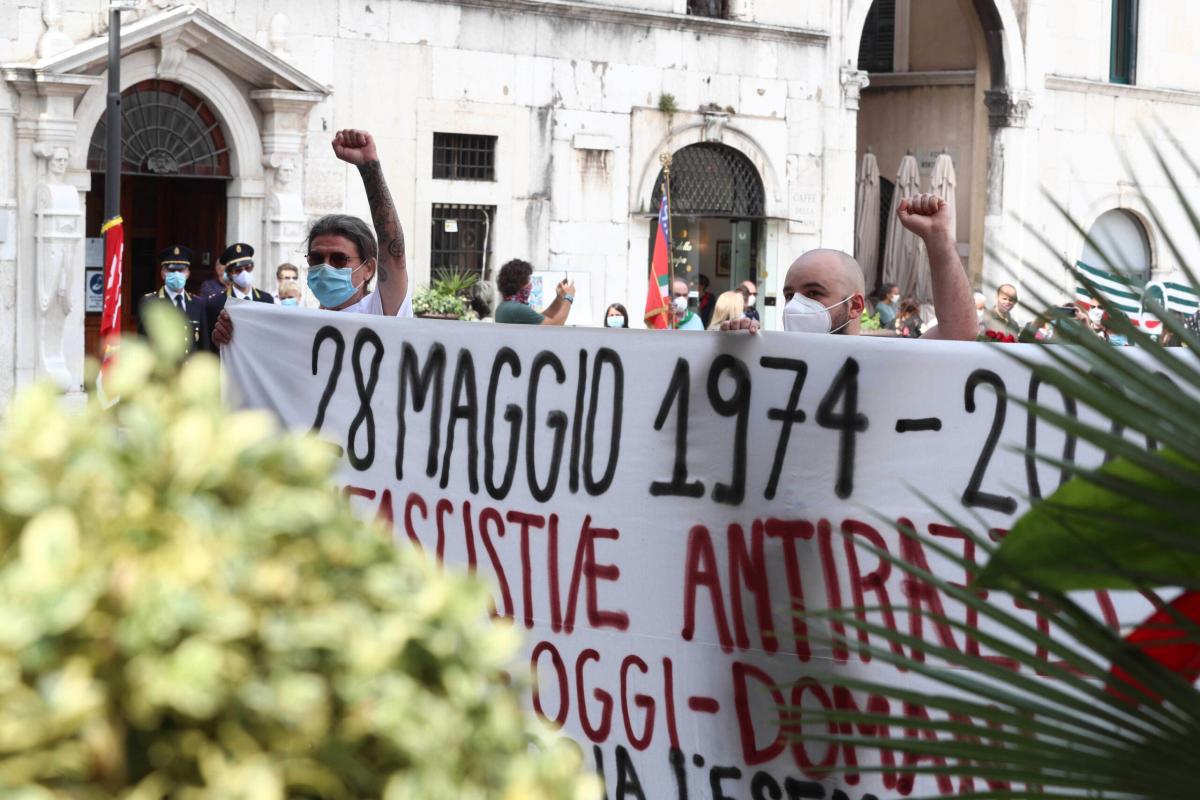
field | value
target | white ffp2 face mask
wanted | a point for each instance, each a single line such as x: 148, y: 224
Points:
x: 679, y: 305
x: 805, y: 315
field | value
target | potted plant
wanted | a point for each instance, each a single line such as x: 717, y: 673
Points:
x: 167, y: 637
x: 447, y: 296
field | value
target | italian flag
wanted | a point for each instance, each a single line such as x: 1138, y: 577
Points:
x: 658, y: 295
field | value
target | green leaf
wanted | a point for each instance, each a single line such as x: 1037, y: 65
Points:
x: 1084, y: 536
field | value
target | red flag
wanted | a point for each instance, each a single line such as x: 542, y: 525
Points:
x: 1165, y: 640
x: 113, y: 232
x: 658, y: 297
x: 114, y: 252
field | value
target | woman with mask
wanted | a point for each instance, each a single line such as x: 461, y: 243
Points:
x: 289, y: 294
x: 730, y: 305
x: 616, y: 316
x: 889, y: 306
x: 344, y: 256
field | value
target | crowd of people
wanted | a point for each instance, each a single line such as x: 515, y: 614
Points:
x: 362, y: 269
x: 1000, y: 322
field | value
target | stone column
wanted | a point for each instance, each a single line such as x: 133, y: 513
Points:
x: 1009, y: 156
x: 49, y: 255
x: 285, y: 120
x: 8, y: 243
x: 841, y: 157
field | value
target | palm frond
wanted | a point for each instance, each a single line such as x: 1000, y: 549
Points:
x: 1061, y: 705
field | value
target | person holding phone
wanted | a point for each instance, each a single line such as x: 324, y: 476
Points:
x: 515, y: 283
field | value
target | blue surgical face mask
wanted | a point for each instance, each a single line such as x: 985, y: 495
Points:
x: 332, y: 286
x: 288, y: 301
x: 175, y: 281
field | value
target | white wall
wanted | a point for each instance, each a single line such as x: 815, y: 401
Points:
x: 1086, y: 146
x: 573, y: 99
x: 543, y: 84
x: 1169, y: 45
x: 1081, y: 31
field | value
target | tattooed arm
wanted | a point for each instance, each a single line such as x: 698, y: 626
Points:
x: 358, y: 148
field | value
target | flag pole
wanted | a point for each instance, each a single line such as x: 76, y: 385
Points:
x: 112, y: 167
x: 112, y: 229
x: 666, y: 159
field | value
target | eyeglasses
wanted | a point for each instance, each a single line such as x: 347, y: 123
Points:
x: 335, y: 260
x: 240, y: 268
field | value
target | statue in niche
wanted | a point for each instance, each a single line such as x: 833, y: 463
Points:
x: 54, y: 40
x: 58, y: 233
x: 285, y: 220
x: 284, y: 174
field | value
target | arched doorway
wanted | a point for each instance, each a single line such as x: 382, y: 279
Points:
x: 932, y: 65
x: 717, y: 215
x: 174, y: 172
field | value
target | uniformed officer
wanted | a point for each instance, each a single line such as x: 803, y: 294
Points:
x: 237, y: 262
x: 175, y: 264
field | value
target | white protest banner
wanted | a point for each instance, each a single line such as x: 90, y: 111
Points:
x: 652, y: 506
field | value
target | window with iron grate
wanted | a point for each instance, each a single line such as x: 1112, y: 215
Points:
x: 460, y: 238
x: 165, y: 130
x: 464, y: 157
x: 711, y: 179
x: 709, y: 8
x: 877, y: 47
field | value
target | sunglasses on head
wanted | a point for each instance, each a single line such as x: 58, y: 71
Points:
x: 335, y: 260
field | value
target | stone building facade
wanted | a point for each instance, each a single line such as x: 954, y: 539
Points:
x: 534, y: 129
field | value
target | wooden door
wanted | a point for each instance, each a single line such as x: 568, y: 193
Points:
x: 158, y: 212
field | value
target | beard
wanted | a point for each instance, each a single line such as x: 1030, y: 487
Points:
x: 841, y: 320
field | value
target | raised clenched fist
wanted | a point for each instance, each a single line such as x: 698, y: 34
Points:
x: 354, y: 147
x: 926, y: 215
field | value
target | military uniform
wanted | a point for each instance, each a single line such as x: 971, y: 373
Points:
x: 191, y: 308
x: 236, y: 255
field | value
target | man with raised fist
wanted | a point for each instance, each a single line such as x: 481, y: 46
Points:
x: 343, y: 255
x: 824, y: 291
